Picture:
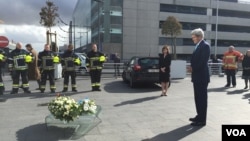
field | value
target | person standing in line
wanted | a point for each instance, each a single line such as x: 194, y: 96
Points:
x: 94, y: 62
x: 2, y: 63
x: 164, y: 69
x: 69, y: 60
x: 246, y: 68
x: 46, y: 61
x: 33, y: 70
x: 117, y: 60
x: 200, y: 76
x: 18, y: 60
x: 230, y: 60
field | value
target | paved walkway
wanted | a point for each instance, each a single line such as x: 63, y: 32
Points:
x: 128, y: 114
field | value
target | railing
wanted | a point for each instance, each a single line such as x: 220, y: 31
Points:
x: 110, y: 71
x: 214, y: 68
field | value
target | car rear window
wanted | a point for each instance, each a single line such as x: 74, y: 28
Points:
x: 148, y: 62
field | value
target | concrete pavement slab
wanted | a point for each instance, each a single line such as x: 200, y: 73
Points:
x: 128, y: 114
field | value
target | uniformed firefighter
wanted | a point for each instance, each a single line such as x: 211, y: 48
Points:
x: 2, y: 63
x: 46, y: 61
x: 94, y: 63
x: 18, y: 65
x: 69, y: 61
x: 230, y: 59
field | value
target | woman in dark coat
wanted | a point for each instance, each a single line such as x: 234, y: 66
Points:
x: 164, y: 72
x: 246, y: 68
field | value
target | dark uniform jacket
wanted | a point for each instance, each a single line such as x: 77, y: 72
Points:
x: 16, y: 59
x: 45, y: 60
x: 93, y: 60
x: 67, y: 60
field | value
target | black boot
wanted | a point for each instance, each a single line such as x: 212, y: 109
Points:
x: 64, y: 90
x: 14, y: 92
x: 74, y: 90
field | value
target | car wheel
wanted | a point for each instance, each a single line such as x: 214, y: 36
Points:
x: 124, y: 77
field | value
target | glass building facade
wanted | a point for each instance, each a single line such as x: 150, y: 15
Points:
x: 133, y: 27
x: 102, y: 23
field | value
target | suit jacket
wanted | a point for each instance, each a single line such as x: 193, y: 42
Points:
x: 199, y: 63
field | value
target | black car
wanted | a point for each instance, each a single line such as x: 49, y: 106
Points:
x: 141, y: 70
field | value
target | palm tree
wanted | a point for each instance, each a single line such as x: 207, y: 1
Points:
x: 48, y: 15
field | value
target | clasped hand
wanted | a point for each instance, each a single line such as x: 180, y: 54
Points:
x: 163, y: 69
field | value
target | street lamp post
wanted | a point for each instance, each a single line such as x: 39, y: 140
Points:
x: 216, y: 29
x: 99, y: 35
x: 74, y: 24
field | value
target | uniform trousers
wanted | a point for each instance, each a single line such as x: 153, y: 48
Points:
x: 1, y: 83
x: 24, y: 76
x: 231, y: 76
x: 95, y: 76
x: 48, y: 74
x: 72, y: 75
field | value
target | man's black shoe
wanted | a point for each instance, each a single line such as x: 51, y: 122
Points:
x: 74, y: 90
x: 198, y: 123
x: 227, y: 85
x: 42, y: 91
x: 98, y: 89
x: 192, y: 119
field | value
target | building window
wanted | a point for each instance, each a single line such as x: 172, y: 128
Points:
x: 232, y: 13
x: 230, y: 0
x: 188, y: 26
x: 168, y: 41
x: 226, y: 43
x: 115, y: 38
x: 232, y: 28
x: 116, y: 20
x: 183, y: 9
x: 116, y: 2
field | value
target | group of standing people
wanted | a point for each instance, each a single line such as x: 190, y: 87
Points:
x: 41, y: 67
x: 30, y: 65
x: 199, y: 74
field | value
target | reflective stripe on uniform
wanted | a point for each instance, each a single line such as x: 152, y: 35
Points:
x: 25, y: 85
x: 15, y: 86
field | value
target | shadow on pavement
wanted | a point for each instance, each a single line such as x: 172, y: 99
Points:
x: 122, y: 87
x: 175, y: 135
x: 39, y: 132
x: 219, y: 89
x: 136, y: 101
x: 246, y: 96
x: 35, y: 95
x: 236, y: 92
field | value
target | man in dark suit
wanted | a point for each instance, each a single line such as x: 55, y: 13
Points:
x: 200, y: 76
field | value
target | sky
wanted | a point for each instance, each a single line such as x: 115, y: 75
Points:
x: 19, y: 21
